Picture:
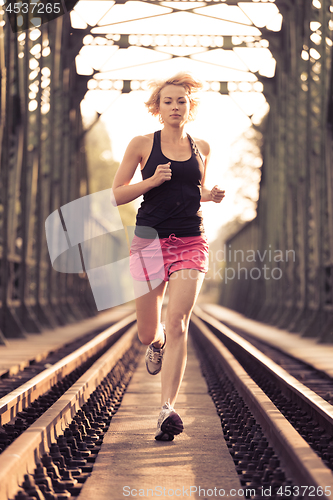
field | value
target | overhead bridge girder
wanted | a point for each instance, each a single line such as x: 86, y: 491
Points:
x: 212, y: 41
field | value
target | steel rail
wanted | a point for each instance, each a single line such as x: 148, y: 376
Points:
x: 303, y: 463
x: 21, y: 456
x: 288, y: 384
x: 23, y: 396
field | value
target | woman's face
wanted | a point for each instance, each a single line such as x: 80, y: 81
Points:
x: 174, y: 105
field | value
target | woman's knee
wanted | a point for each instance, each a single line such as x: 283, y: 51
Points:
x: 177, y: 325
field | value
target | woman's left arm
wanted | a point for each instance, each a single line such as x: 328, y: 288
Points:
x: 216, y: 194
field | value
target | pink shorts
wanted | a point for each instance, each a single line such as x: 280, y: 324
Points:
x: 152, y: 259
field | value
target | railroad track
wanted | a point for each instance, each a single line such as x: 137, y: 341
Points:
x: 58, y: 406
x: 314, y: 378
x: 58, y: 419
x: 297, y: 422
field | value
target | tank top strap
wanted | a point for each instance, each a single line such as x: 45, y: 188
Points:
x: 157, y: 140
x: 157, y: 136
x: 194, y: 147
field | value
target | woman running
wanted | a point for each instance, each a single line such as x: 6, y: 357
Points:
x: 173, y: 184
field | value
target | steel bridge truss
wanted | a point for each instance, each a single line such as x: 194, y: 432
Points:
x: 295, y: 209
x: 43, y: 166
x: 43, y: 162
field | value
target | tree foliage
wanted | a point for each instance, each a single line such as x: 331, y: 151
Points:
x: 102, y: 167
x: 245, y: 172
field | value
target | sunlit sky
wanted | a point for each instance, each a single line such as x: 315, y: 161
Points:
x: 164, y: 42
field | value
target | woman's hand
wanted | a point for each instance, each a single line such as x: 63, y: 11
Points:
x: 217, y: 194
x: 138, y: 149
x: 162, y: 173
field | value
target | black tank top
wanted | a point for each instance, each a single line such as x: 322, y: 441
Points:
x: 174, y: 206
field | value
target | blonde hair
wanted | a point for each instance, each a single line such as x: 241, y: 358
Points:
x: 182, y: 79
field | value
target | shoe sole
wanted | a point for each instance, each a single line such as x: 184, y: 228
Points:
x: 171, y: 426
x: 155, y: 372
x: 160, y: 365
x: 164, y: 437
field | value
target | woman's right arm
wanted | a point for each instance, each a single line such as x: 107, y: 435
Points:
x: 123, y: 191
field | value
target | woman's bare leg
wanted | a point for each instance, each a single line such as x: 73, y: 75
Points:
x: 148, y: 309
x: 184, y: 287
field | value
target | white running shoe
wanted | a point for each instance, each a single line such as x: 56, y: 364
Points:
x: 154, y: 357
x: 169, y: 424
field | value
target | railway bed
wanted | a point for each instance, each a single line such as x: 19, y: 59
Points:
x: 65, y: 452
